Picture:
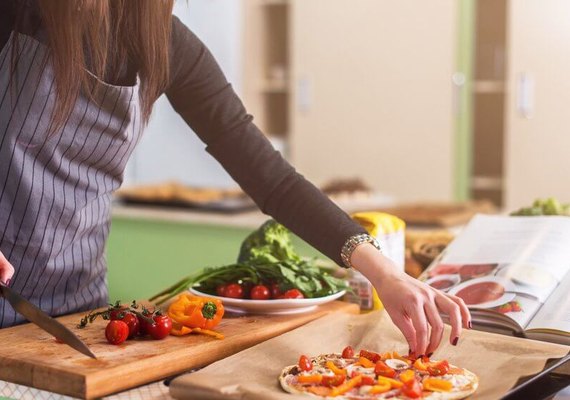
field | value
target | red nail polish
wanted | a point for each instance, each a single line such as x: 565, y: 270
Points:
x: 430, y: 354
x: 455, y: 341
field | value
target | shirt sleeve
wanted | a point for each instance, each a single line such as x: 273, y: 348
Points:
x: 200, y: 93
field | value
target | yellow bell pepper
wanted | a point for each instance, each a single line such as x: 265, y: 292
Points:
x: 196, y: 312
x: 437, y: 385
x: 346, y: 386
x: 380, y: 388
x: 336, y: 370
x: 407, y: 376
x: 394, y: 384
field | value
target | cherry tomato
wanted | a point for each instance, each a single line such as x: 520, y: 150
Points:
x: 348, y: 352
x: 305, y: 364
x: 161, y: 327
x: 412, y: 389
x: 246, y: 287
x: 438, y: 369
x: 334, y: 380
x: 221, y: 290
x: 384, y: 370
x: 367, y: 380
x: 234, y: 290
x: 132, y: 322
x: 292, y: 294
x: 275, y: 291
x: 260, y: 292
x: 143, y: 323
x: 374, y: 357
x: 116, y: 332
x: 117, y: 313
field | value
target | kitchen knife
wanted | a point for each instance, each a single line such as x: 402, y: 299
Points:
x: 44, y: 321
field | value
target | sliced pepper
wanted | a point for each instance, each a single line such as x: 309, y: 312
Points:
x: 345, y: 387
x: 317, y: 378
x: 208, y: 332
x: 394, y: 384
x: 437, y: 385
x: 419, y: 365
x: 407, y: 375
x: 179, y: 330
x: 374, y: 357
x: 365, y: 362
x: 381, y: 387
x: 336, y: 370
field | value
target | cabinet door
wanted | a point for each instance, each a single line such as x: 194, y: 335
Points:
x: 372, y: 93
x: 538, y: 105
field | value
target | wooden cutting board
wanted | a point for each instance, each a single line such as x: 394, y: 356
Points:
x: 31, y: 357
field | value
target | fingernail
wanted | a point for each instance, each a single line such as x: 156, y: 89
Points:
x: 455, y: 341
x: 430, y: 354
x: 8, y: 282
x: 470, y: 325
x: 421, y: 356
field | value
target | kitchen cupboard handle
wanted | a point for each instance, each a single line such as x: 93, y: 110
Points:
x: 458, y: 80
x: 525, y: 95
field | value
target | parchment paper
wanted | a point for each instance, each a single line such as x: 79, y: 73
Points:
x: 498, y: 360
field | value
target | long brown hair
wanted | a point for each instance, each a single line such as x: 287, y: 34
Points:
x: 100, y: 37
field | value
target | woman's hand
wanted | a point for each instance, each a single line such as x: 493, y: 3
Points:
x: 6, y: 270
x: 413, y: 306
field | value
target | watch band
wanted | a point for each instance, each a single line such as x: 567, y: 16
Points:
x: 352, y: 243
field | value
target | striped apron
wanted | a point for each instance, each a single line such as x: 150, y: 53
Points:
x: 55, y: 189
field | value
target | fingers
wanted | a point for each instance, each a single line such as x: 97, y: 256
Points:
x: 418, y: 316
x: 450, y: 307
x: 465, y: 314
x: 405, y: 325
x: 436, y: 327
x: 6, y: 270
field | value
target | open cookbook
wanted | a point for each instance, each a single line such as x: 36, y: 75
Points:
x: 513, y: 273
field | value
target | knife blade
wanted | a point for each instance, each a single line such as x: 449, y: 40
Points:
x: 44, y: 321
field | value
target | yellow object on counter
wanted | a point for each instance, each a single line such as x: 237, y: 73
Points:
x: 389, y: 230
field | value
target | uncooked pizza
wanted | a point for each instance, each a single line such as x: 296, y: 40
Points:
x: 369, y: 375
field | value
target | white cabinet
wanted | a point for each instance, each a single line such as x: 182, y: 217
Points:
x: 537, y: 158
x: 367, y: 90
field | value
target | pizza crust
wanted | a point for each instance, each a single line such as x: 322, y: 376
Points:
x: 292, y: 370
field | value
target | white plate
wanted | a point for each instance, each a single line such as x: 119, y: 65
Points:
x: 279, y: 306
x: 510, y: 289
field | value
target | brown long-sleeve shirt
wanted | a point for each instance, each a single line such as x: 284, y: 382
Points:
x: 200, y: 93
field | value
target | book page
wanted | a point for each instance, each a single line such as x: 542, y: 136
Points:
x: 509, y: 265
x: 555, y: 313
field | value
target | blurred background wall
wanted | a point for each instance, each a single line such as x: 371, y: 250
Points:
x: 439, y: 100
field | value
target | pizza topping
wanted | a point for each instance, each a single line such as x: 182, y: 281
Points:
x: 384, y: 370
x: 396, y: 364
x: 370, y: 355
x: 437, y: 385
x: 365, y: 362
x: 419, y: 365
x: 305, y: 364
x: 310, y: 379
x: 394, y: 384
x: 367, y: 380
x: 438, y: 369
x: 407, y: 375
x: 381, y: 387
x: 336, y: 370
x: 412, y: 389
x: 331, y: 381
x: 348, y: 352
x: 346, y: 386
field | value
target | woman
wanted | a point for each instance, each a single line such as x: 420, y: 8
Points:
x: 77, y: 83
